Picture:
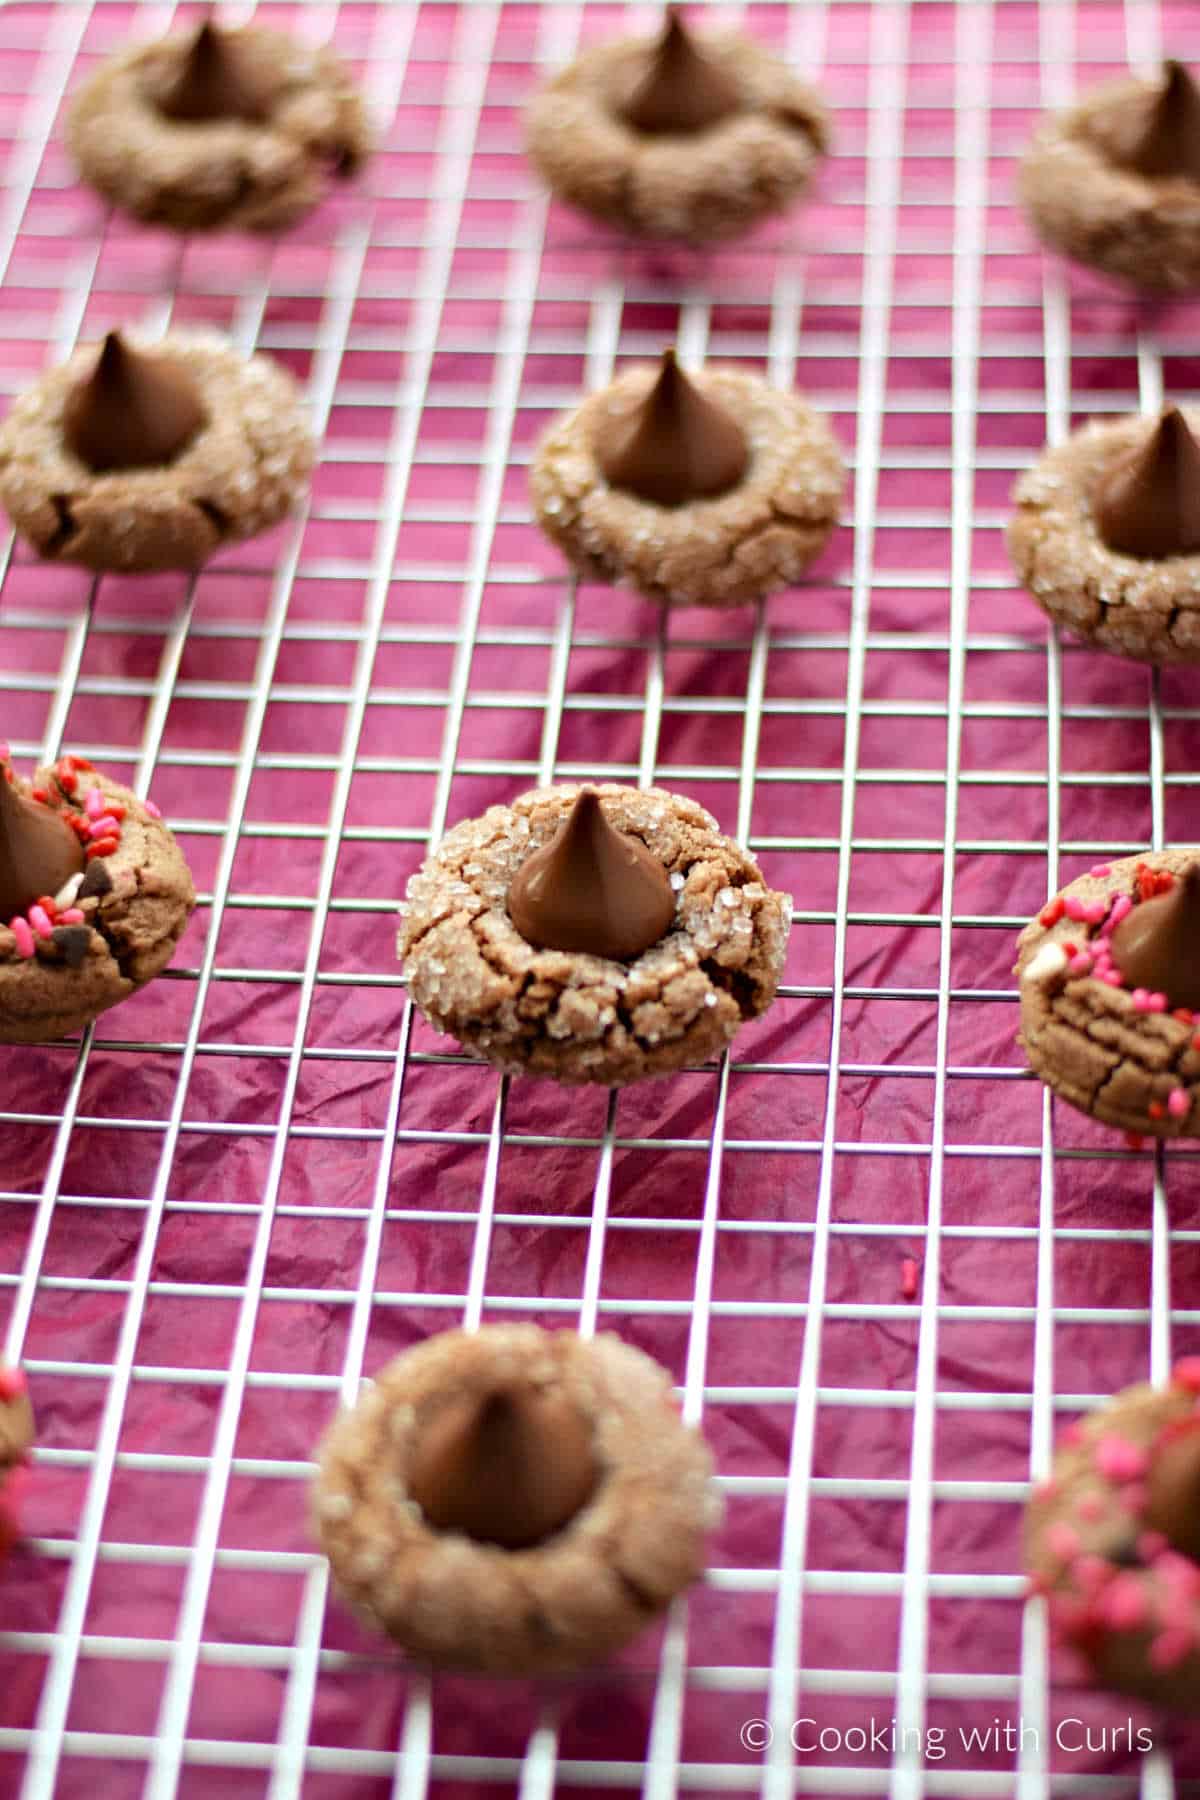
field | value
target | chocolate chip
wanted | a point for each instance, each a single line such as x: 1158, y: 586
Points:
x: 97, y: 880
x: 73, y: 941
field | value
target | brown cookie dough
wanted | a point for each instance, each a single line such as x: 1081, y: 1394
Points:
x: 697, y: 186
x: 245, y: 469
x: 113, y: 927
x: 571, y: 1015
x: 16, y: 1436
x: 724, y: 551
x: 558, y: 1603
x: 1084, y: 199
x: 1124, y: 1056
x: 1146, y: 608
x: 1111, y: 1541
x: 244, y: 174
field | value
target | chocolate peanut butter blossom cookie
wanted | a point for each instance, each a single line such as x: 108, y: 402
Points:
x: 94, y: 896
x: 513, y: 1500
x: 1113, y: 1541
x: 1115, y: 181
x: 1106, y: 536
x: 601, y: 934
x: 685, y: 138
x: 244, y: 129
x: 705, y: 490
x: 144, y: 456
x: 1109, y: 976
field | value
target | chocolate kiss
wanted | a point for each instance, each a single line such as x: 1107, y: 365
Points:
x: 216, y: 80
x: 1149, y: 504
x: 676, y: 446
x: 1169, y: 143
x: 39, y: 852
x: 1173, y: 1489
x: 592, y: 888
x: 132, y: 411
x: 1157, y: 945
x: 511, y: 1467
x: 682, y: 90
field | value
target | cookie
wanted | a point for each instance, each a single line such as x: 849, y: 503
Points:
x: 685, y: 139
x: 91, y: 474
x: 572, y: 1014
x: 1110, y: 1003
x: 95, y: 893
x: 16, y: 1436
x: 1114, y: 182
x: 242, y: 129
x: 514, y: 1501
x: 1112, y: 1541
x: 756, y: 526
x: 1106, y: 536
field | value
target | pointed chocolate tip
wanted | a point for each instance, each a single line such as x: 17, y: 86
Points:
x: 1148, y: 505
x: 1168, y: 143
x: 133, y: 411
x: 511, y: 1466
x: 592, y: 889
x: 1157, y: 945
x: 676, y: 445
x: 216, y: 79
x: 682, y: 89
x: 39, y: 852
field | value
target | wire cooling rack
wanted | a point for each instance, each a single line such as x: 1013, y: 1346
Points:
x: 881, y: 1266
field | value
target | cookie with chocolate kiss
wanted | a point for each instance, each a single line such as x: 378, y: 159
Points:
x: 514, y: 1501
x: 241, y: 129
x: 138, y: 456
x: 94, y: 896
x: 597, y: 935
x: 1111, y: 1541
x: 1106, y: 535
x: 1109, y: 977
x: 704, y: 489
x: 1114, y: 181
x: 687, y: 136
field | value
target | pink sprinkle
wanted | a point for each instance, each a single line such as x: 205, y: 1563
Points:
x: 1074, y: 907
x: 1150, y: 1545
x: 1063, y: 1541
x: 1080, y: 964
x: 1090, y: 1506
x: 1170, y: 1648
x: 24, y: 937
x: 94, y: 804
x: 1180, y: 1574
x: 1112, y: 977
x: 154, y: 811
x: 1120, y: 906
x: 1119, y: 1460
x: 12, y: 1383
x: 1101, y: 869
x: 908, y: 1278
x: 1091, y: 1572
x: 1133, y: 1498
x: 106, y: 826
x: 39, y: 918
x: 1124, y: 1605
x: 1147, y: 1002
x: 1186, y: 1374
x: 1178, y: 1103
x: 71, y: 916
x: 1073, y: 1433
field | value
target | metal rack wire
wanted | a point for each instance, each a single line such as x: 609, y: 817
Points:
x: 262, y: 1177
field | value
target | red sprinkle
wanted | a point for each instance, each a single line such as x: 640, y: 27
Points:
x: 1134, y: 1140
x: 101, y: 847
x: 1053, y: 912
x: 12, y: 1383
x: 1186, y: 1374
x: 48, y: 904
x: 1183, y: 1014
x: 38, y: 793
x: 908, y: 1278
x: 66, y: 781
x: 1157, y: 1110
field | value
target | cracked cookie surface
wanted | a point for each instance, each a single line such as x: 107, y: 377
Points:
x: 570, y: 1015
x: 1144, y: 608
x: 131, y: 920
x: 562, y: 1603
x: 227, y: 172
x: 697, y: 188
x: 244, y: 470
x: 726, y: 551
x: 1143, y: 229
x: 1118, y: 1055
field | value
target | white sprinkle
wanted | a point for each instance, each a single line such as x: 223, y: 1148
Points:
x: 1049, y: 962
